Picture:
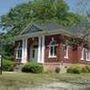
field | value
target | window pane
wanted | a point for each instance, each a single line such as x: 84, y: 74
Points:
x: 51, y: 51
x: 55, y: 49
x: 64, y: 49
x: 19, y: 53
x: 53, y: 43
x: 33, y: 53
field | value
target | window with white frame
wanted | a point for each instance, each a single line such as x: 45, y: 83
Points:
x: 82, y: 53
x: 52, y: 48
x: 19, y: 52
x: 87, y: 54
x: 66, y: 49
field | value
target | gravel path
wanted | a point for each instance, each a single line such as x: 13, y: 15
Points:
x: 52, y: 86
x: 58, y: 86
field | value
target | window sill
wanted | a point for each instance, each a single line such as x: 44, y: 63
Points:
x: 52, y: 57
x: 66, y: 57
x: 18, y: 58
x: 88, y: 60
x: 82, y: 59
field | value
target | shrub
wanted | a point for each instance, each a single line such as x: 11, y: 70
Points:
x: 76, y: 69
x: 7, y: 65
x: 84, y: 70
x: 57, y: 69
x: 33, y: 68
x: 73, y: 70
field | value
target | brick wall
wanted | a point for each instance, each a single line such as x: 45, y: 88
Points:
x: 59, y: 51
x: 73, y: 57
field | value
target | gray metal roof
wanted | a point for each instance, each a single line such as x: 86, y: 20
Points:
x: 49, y: 26
x: 79, y: 29
x: 42, y: 27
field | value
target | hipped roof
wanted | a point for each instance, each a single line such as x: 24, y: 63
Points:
x: 79, y: 29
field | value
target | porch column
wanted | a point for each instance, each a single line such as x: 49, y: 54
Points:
x: 24, y: 51
x: 43, y: 49
x: 39, y: 50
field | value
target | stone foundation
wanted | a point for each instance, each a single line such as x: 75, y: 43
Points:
x: 52, y: 66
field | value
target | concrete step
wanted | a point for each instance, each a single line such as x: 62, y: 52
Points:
x: 18, y: 67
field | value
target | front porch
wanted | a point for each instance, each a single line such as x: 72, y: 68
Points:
x: 32, y: 49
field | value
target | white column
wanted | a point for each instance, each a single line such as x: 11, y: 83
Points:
x: 43, y: 49
x: 39, y: 50
x: 82, y: 54
x: 24, y: 51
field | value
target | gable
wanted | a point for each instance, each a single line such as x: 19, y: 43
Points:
x: 31, y: 29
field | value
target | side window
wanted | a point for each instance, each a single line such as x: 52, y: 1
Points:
x: 66, y: 49
x: 82, y: 53
x: 87, y: 52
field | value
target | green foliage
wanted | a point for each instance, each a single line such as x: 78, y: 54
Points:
x: 8, y: 65
x: 77, y: 69
x: 32, y: 68
x: 57, y: 70
x: 84, y: 70
x: 74, y: 70
x: 47, y: 9
x: 88, y: 68
x: 20, y: 16
x: 36, y: 10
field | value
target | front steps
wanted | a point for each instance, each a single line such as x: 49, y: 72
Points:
x: 18, y: 67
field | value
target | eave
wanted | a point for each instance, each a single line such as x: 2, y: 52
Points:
x: 45, y: 33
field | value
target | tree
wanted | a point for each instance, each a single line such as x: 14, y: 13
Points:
x: 37, y: 10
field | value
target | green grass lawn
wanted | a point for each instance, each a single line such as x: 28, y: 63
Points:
x: 27, y: 79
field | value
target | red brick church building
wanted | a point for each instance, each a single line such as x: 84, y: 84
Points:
x: 52, y: 44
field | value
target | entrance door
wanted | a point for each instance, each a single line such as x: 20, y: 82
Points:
x: 34, y: 53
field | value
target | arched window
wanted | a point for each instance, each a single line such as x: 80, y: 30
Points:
x: 52, y: 48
